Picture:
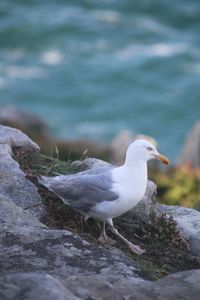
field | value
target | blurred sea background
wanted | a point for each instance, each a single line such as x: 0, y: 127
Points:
x: 91, y: 68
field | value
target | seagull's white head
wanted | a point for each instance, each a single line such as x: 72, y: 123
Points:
x: 143, y: 150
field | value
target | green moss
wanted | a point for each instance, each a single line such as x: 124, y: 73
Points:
x: 39, y: 164
x: 150, y: 270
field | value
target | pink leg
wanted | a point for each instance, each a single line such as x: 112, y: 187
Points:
x: 134, y: 248
x: 104, y: 239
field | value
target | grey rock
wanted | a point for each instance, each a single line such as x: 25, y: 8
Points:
x: 90, y: 164
x: 27, y: 246
x: 183, y: 285
x: 31, y: 286
x: 100, y: 287
x: 13, y: 217
x: 42, y: 286
x: 191, y: 150
x: 16, y: 139
x: 188, y: 221
x: 13, y: 183
x: 15, y: 186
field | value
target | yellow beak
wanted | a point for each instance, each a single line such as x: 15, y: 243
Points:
x: 162, y: 158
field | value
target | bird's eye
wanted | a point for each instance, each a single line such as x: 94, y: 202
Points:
x: 149, y: 148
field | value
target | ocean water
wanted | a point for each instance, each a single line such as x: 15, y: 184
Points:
x: 91, y: 68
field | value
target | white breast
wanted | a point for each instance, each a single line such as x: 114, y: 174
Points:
x: 130, y: 186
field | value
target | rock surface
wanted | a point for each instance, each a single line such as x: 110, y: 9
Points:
x: 16, y: 139
x: 188, y: 221
x: 33, y: 285
x: 90, y: 164
x: 28, y: 245
x: 184, y: 285
x: 14, y: 184
x: 42, y: 286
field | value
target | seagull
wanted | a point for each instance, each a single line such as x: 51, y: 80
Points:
x: 106, y: 193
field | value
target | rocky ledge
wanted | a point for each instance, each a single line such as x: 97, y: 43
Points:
x: 40, y: 258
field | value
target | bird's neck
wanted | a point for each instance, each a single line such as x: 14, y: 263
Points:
x: 132, y: 177
x: 136, y: 169
x: 134, y: 173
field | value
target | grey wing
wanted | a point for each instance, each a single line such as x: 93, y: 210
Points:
x: 82, y: 191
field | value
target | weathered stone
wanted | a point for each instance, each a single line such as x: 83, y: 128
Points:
x: 31, y: 286
x: 183, y: 285
x: 42, y: 286
x: 14, y: 184
x: 13, y: 217
x: 188, y: 221
x: 16, y: 139
x: 27, y: 245
x: 191, y: 150
x: 90, y: 164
